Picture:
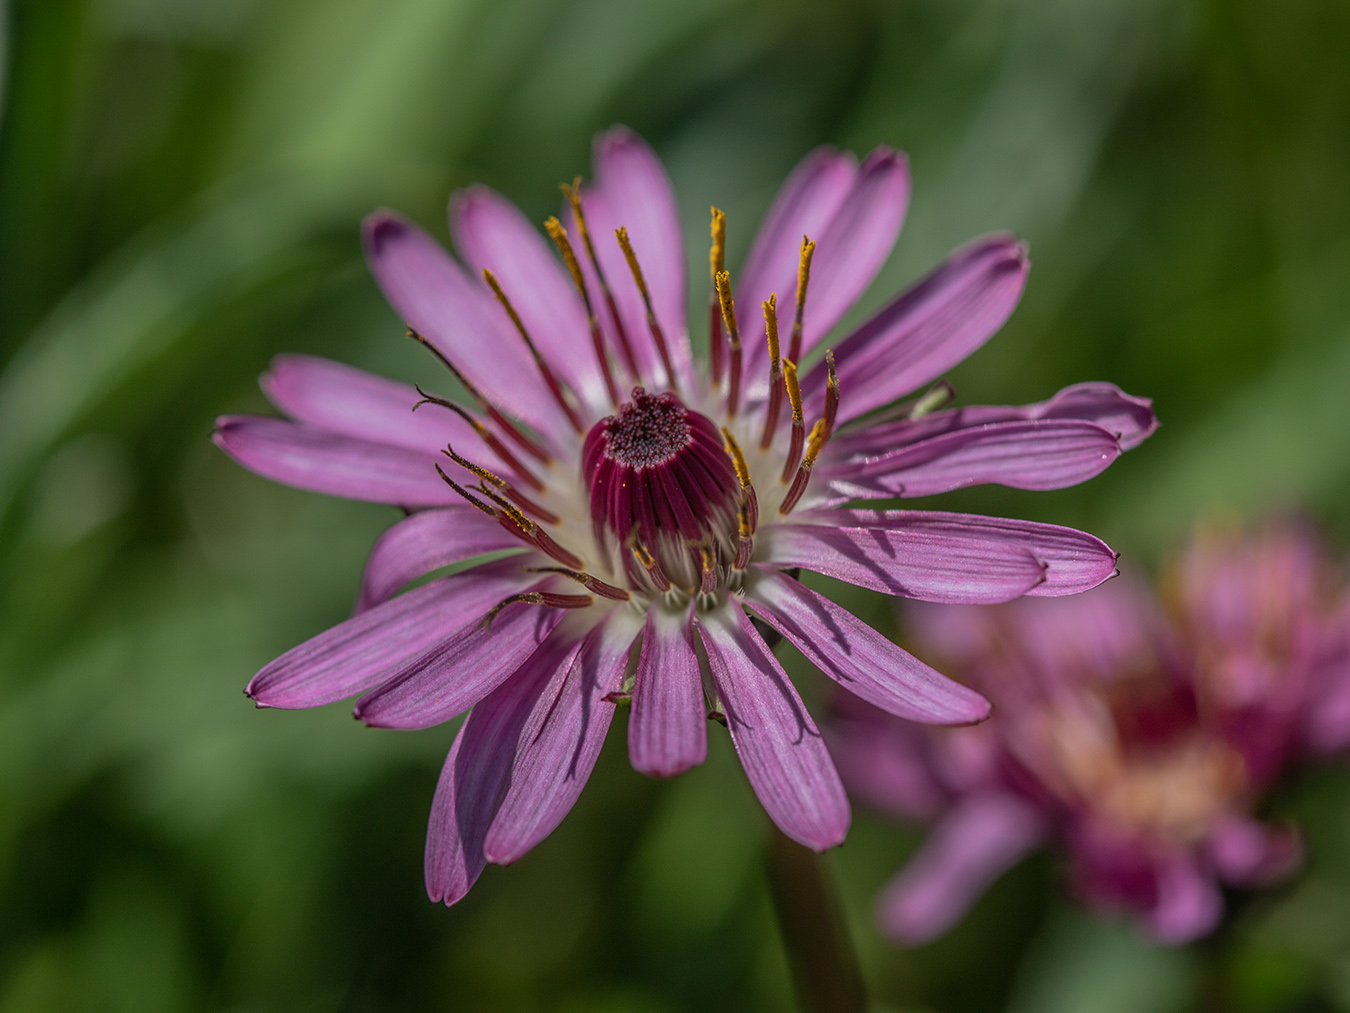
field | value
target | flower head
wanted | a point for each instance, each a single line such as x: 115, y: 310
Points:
x: 655, y: 506
x: 1137, y: 736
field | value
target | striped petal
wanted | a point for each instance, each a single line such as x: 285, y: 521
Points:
x: 931, y: 562
x: 928, y: 329
x: 1072, y: 560
x: 783, y: 754
x: 562, y: 738
x: 490, y: 232
x: 1033, y: 454
x: 454, y: 675
x: 348, y: 401
x: 371, y: 647
x: 858, y: 657
x: 312, y: 459
x: 427, y: 541
x: 434, y: 296
x: 668, y: 722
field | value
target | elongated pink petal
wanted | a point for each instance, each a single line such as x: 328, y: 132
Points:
x: 668, y: 722
x: 1073, y: 560
x: 1188, y: 905
x: 1032, y: 454
x: 858, y: 657
x: 975, y: 843
x: 337, y: 465
x: 884, y: 762
x: 927, y: 330
x: 632, y: 190
x: 457, y: 673
x: 369, y: 648
x: 424, y: 542
x: 475, y: 775
x: 804, y: 206
x: 440, y: 302
x: 857, y: 242
x: 348, y: 401
x: 946, y: 563
x: 780, y: 748
x: 561, y: 740
x: 491, y: 233
x: 1130, y: 418
x: 1246, y: 853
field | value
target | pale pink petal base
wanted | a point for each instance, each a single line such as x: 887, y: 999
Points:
x: 668, y: 722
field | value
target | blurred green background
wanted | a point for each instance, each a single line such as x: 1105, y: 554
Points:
x: 180, y: 188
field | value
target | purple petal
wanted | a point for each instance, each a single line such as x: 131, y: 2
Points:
x: 1130, y: 418
x: 491, y: 233
x: 469, y: 793
x: 337, y: 465
x: 804, y: 206
x: 1073, y: 560
x: 562, y: 739
x: 858, y: 657
x: 424, y: 542
x: 668, y: 722
x: 1188, y: 905
x: 437, y: 300
x: 457, y: 673
x: 367, y: 649
x: 632, y: 190
x: 884, y: 762
x: 1035, y: 454
x: 983, y: 836
x: 928, y: 329
x: 1327, y: 720
x: 855, y: 246
x: 778, y: 744
x: 932, y: 562
x: 348, y: 401
x: 1246, y: 853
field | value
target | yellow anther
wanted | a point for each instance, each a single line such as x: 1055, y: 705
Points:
x: 476, y: 470
x: 813, y: 444
x: 793, y: 390
x: 559, y: 235
x: 804, y: 273
x: 717, y: 256
x: 771, y: 325
x: 737, y: 458
x: 728, y: 307
x: 621, y: 233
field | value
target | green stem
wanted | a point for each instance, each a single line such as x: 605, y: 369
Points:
x: 819, y: 951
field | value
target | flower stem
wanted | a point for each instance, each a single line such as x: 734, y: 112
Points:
x: 824, y: 967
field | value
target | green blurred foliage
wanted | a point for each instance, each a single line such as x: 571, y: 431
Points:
x: 180, y: 187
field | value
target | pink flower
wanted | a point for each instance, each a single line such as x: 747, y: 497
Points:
x: 656, y: 507
x: 1137, y: 738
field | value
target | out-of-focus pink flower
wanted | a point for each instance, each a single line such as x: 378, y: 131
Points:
x: 653, y: 506
x: 1134, y: 733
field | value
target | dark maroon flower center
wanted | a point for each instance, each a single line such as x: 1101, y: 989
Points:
x: 661, y: 484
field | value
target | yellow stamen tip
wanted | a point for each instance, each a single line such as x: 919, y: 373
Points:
x: 794, y: 391
x: 813, y: 444
x: 621, y: 233
x: 737, y: 458
x: 770, y: 306
x: 717, y: 255
x: 723, y: 280
x: 804, y: 271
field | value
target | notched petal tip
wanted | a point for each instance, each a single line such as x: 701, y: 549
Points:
x: 381, y: 227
